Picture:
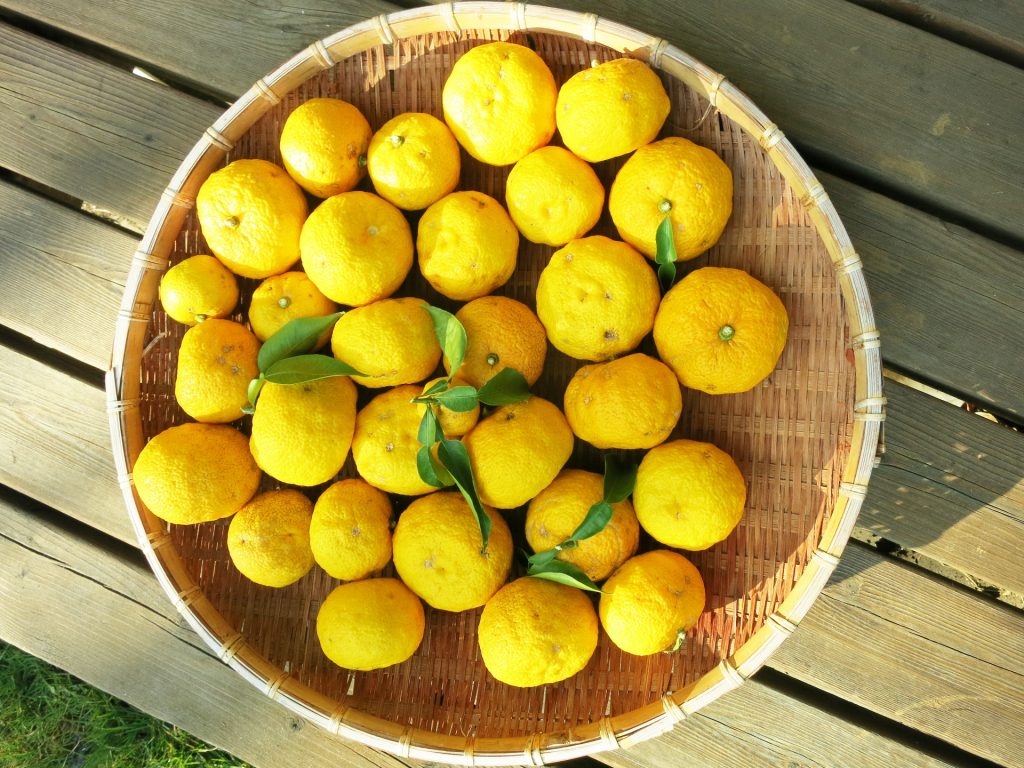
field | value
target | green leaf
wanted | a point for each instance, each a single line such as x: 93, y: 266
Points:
x: 430, y: 428
x: 303, y: 368
x: 438, y: 386
x: 619, y: 479
x: 459, y: 399
x: 564, y: 573
x: 450, y: 335
x: 542, y: 558
x: 297, y: 337
x: 506, y: 387
x: 666, y: 253
x: 455, y: 459
x: 428, y: 469
x: 255, y: 385
x: 595, y: 521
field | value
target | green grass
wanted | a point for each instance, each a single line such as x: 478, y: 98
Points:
x: 49, y: 719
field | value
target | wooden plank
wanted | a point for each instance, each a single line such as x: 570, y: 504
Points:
x: 939, y: 659
x: 950, y: 488
x: 63, y: 275
x: 143, y: 655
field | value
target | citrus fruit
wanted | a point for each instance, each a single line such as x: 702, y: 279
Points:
x: 499, y: 101
x: 453, y: 423
x: 301, y: 433
x: 678, y: 178
x: 356, y: 248
x: 651, y: 601
x: 466, y: 245
x: 439, y: 552
x: 501, y: 333
x: 535, y: 632
x: 194, y: 473
x: 386, y: 442
x: 370, y: 624
x: 689, y: 494
x: 251, y: 214
x: 413, y: 161
x: 559, y: 509
x: 611, y: 109
x: 631, y: 402
x: 391, y: 341
x: 280, y: 299
x: 517, y: 451
x: 597, y: 298
x: 721, y: 330
x: 216, y: 362
x: 323, y: 146
x: 553, y: 196
x: 268, y: 539
x: 198, y: 288
x: 350, y: 532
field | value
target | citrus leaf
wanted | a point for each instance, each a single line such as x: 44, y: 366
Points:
x: 430, y: 428
x: 564, y: 573
x: 458, y: 399
x: 427, y: 468
x: 666, y: 253
x: 303, y: 368
x: 542, y: 558
x: 255, y: 385
x: 437, y: 386
x: 506, y: 387
x: 619, y: 479
x: 297, y: 337
x: 450, y: 335
x: 455, y: 459
x: 597, y: 518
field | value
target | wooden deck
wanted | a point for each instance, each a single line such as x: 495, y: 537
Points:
x: 912, y: 114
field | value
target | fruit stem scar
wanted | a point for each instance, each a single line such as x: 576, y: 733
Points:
x: 284, y: 302
x: 492, y: 359
x: 397, y: 140
x: 200, y: 317
x: 665, y: 205
x: 726, y: 332
x: 231, y: 221
x: 362, y: 161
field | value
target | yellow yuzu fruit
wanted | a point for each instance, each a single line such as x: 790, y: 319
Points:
x: 673, y: 176
x: 280, y: 299
x: 466, y: 245
x: 413, y: 161
x: 501, y: 333
x: 439, y: 554
x: 198, y: 288
x: 390, y: 342
x: 323, y: 146
x: 689, y: 494
x: 268, y: 538
x: 370, y: 624
x: 517, y: 451
x: 216, y: 362
x: 453, y: 423
x: 350, y: 532
x: 631, y: 402
x: 251, y: 213
x: 386, y: 442
x: 535, y: 632
x: 611, y: 109
x: 559, y: 509
x: 194, y: 473
x: 499, y: 101
x: 721, y: 330
x: 356, y: 248
x: 597, y: 298
x: 301, y: 433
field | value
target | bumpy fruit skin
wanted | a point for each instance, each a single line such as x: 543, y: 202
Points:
x: 499, y: 101
x: 280, y: 299
x: 216, y: 362
x: 194, y: 473
x: 689, y: 494
x: 350, y: 532
x: 611, y: 109
x: 324, y: 144
x: 414, y: 161
x: 198, y: 288
x: 268, y: 539
x: 251, y: 214
x: 535, y: 632
x: 370, y: 624
x: 517, y: 451
x: 559, y: 509
x: 630, y: 402
x: 438, y: 552
x: 386, y: 442
x: 721, y: 330
x: 301, y: 433
x: 502, y: 333
x: 651, y: 601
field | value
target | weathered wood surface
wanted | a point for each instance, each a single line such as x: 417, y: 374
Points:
x: 45, y: 570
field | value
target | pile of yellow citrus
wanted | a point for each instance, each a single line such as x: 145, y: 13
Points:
x: 330, y: 231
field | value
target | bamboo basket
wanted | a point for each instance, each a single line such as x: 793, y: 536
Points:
x: 806, y: 438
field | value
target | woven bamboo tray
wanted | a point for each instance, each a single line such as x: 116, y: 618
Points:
x: 806, y: 438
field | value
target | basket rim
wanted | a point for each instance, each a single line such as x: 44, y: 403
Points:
x: 611, y: 732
